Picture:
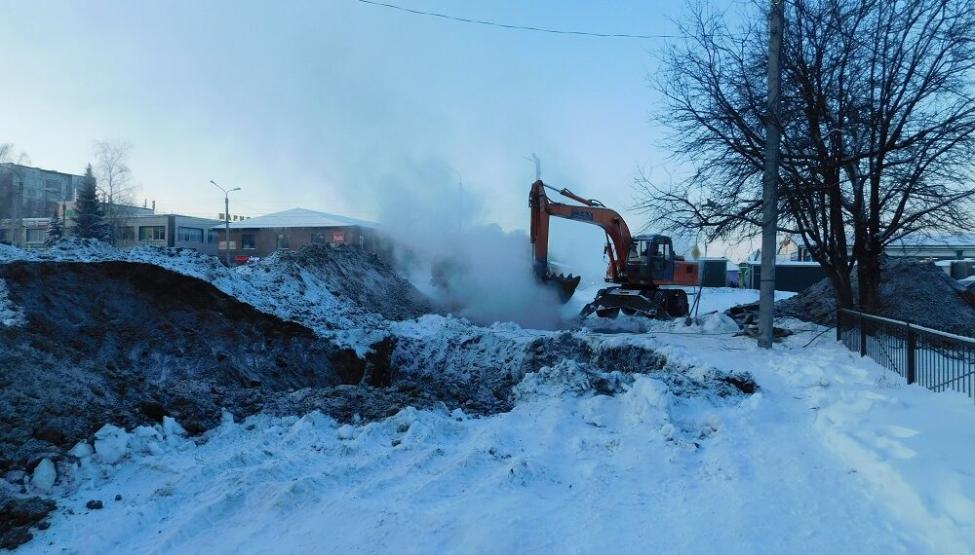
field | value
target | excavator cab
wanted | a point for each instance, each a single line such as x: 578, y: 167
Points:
x: 651, y: 259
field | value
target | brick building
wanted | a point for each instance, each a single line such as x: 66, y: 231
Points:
x: 293, y: 229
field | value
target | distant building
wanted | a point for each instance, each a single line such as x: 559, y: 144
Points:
x: 167, y: 230
x: 789, y: 275
x: 28, y: 198
x: 938, y: 246
x: 293, y: 229
x: 942, y: 246
x: 28, y: 192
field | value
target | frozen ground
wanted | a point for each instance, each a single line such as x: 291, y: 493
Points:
x: 831, y: 455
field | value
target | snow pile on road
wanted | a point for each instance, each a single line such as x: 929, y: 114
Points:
x: 917, y: 292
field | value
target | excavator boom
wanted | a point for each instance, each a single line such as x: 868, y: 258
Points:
x: 591, y: 212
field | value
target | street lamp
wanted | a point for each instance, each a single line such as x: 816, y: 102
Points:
x: 226, y: 217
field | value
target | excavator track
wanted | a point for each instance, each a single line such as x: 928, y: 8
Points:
x: 660, y: 304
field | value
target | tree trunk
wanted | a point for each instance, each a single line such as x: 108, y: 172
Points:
x: 868, y: 276
x: 842, y: 288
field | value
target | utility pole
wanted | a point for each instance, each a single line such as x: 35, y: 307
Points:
x: 226, y: 218
x: 766, y: 310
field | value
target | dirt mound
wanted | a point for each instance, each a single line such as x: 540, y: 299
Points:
x: 129, y: 343
x: 477, y: 368
x: 353, y: 280
x: 17, y: 516
x: 325, y: 288
x: 917, y: 292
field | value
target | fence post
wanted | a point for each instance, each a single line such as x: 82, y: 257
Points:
x: 911, y: 348
x: 863, y: 334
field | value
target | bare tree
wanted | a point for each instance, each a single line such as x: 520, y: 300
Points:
x: 877, y: 121
x: 115, y: 184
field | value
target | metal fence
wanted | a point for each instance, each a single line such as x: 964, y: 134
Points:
x: 935, y: 359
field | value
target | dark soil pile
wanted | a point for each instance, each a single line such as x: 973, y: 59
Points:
x: 128, y: 343
x: 18, y: 516
x: 917, y: 292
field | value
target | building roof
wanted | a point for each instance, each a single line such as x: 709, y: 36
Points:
x: 936, y: 240
x: 298, y: 217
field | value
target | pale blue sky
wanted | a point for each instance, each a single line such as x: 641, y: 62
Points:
x: 326, y: 104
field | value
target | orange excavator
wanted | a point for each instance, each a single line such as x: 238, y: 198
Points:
x: 642, y: 269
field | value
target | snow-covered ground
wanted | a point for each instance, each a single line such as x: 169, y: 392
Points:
x: 832, y: 455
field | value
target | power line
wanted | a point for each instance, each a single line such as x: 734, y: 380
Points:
x: 517, y: 27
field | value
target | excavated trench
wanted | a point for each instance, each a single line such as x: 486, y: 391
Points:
x: 129, y: 343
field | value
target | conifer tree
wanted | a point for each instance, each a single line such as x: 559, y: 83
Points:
x: 55, y: 229
x: 89, y: 219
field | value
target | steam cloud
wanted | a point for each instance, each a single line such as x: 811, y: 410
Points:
x: 470, y: 267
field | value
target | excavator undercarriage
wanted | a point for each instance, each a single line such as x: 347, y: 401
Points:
x: 660, y: 304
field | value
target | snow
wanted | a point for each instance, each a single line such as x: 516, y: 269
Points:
x: 111, y: 443
x: 44, y: 476
x: 832, y: 453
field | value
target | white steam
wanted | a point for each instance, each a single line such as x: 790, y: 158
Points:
x: 472, y: 267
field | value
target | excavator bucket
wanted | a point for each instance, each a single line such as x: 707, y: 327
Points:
x: 564, y: 285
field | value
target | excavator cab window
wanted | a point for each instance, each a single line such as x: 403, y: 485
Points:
x: 662, y: 250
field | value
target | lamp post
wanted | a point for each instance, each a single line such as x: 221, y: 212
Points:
x: 226, y: 217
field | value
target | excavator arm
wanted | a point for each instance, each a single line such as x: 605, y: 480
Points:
x: 590, y: 212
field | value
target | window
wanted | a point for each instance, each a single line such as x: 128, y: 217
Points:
x: 282, y: 241
x: 190, y: 234
x: 152, y: 233
x: 127, y: 233
x: 247, y: 241
x: 36, y: 235
x: 222, y: 245
x: 338, y: 236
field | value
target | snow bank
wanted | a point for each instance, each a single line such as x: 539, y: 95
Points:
x: 818, y: 461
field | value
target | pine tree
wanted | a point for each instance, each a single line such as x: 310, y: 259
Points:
x: 55, y: 228
x: 89, y: 219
